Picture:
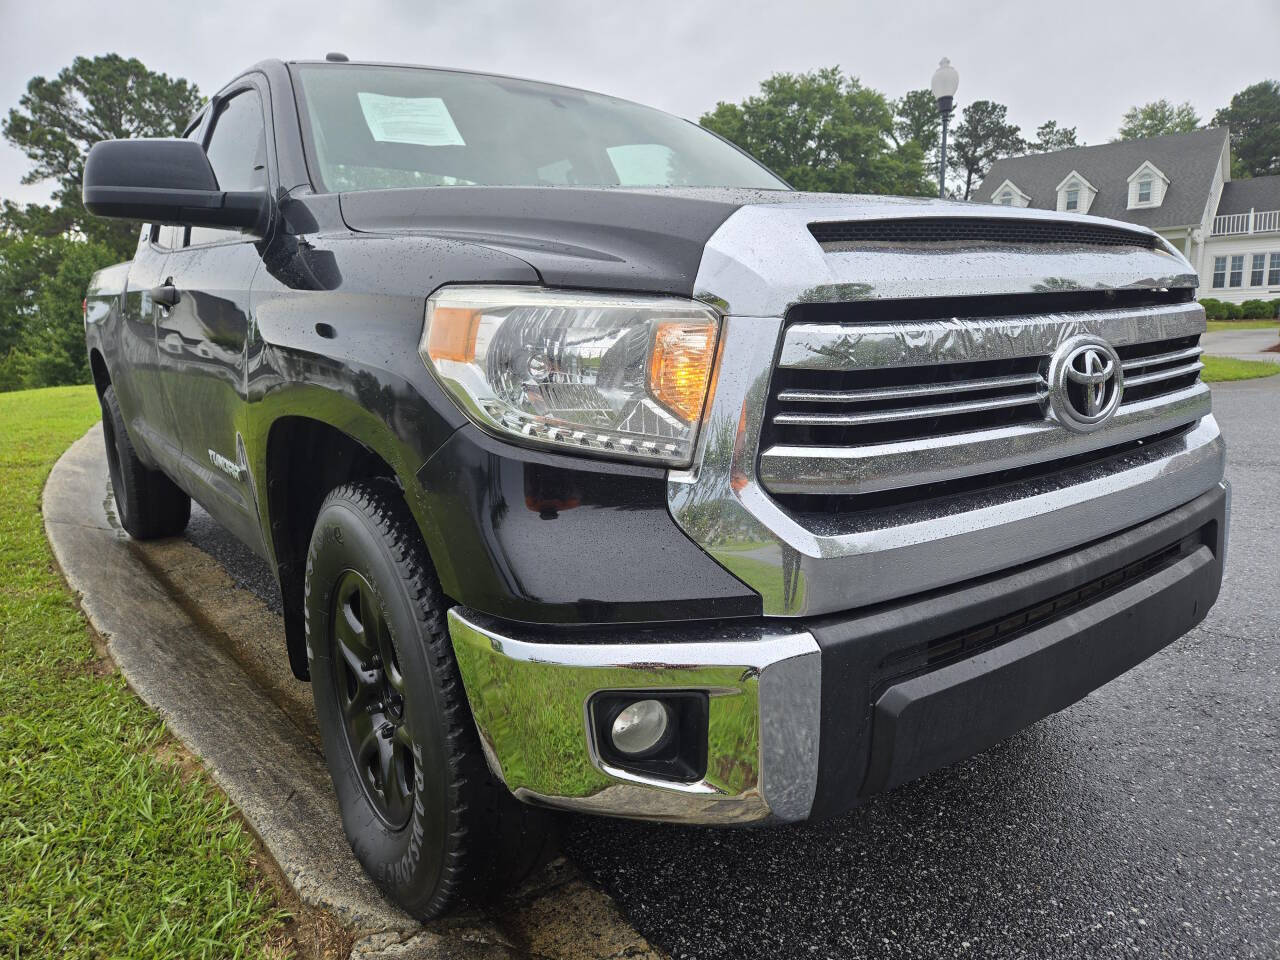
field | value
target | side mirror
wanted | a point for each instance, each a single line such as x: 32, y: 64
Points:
x: 166, y: 181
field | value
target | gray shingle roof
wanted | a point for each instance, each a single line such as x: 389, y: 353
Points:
x: 1187, y: 159
x: 1241, y: 196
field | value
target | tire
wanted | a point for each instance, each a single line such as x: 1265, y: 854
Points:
x: 423, y: 814
x: 150, y: 505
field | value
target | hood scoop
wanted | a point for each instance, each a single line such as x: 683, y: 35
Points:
x: 835, y: 236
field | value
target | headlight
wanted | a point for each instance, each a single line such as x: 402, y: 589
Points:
x: 622, y: 376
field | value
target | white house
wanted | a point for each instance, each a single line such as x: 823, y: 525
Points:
x: 1178, y: 185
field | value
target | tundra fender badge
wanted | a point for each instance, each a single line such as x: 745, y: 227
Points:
x: 229, y: 467
x: 1086, y: 382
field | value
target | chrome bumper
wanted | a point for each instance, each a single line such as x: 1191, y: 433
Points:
x: 530, y: 703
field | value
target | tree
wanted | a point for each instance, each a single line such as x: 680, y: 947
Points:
x: 1253, y: 117
x: 916, y: 118
x: 56, y: 121
x: 42, y: 284
x: 54, y: 343
x: 983, y: 136
x: 1157, y: 118
x: 1050, y: 137
x: 823, y: 131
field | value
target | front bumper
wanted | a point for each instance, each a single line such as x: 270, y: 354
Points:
x: 808, y: 719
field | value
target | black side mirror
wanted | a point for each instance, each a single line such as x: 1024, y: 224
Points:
x: 166, y: 181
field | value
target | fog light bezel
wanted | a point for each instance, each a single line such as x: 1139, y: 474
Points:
x: 680, y: 756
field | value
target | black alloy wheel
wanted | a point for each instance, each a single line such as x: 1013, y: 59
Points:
x: 371, y: 691
x: 424, y: 815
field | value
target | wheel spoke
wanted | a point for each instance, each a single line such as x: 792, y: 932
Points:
x: 385, y: 771
x: 402, y: 736
x: 358, y: 706
x: 378, y: 636
x: 399, y: 783
x: 366, y: 747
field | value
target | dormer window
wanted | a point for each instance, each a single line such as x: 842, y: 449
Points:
x: 1147, y: 186
x: 1008, y: 195
x: 1075, y: 193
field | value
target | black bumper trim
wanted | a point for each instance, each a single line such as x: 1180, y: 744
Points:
x: 881, y: 729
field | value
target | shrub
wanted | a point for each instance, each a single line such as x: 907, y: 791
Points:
x: 1213, y: 308
x: 1257, y: 310
x: 1233, y: 311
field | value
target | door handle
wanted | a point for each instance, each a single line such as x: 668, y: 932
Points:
x: 166, y: 295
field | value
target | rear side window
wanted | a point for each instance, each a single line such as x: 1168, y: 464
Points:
x: 237, y: 151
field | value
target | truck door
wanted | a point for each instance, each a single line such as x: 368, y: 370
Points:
x: 137, y: 380
x: 203, y: 338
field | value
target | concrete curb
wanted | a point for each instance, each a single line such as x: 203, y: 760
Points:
x: 260, y: 750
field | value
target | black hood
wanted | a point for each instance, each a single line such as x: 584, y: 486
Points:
x: 606, y: 239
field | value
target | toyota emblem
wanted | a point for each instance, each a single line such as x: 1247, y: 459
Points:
x: 1086, y: 381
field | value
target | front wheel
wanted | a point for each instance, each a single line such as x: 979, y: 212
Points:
x: 422, y: 812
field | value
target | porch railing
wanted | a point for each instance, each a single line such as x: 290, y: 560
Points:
x: 1255, y: 221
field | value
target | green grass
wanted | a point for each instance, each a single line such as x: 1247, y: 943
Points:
x: 1217, y: 369
x: 108, y: 848
x: 1245, y: 325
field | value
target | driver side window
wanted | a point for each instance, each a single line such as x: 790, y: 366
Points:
x: 237, y: 151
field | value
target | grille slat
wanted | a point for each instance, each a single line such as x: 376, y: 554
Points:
x: 907, y: 413
x: 1158, y: 376
x: 1151, y: 361
x: 903, y: 393
x: 995, y: 231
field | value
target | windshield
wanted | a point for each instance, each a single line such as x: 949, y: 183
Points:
x: 372, y: 128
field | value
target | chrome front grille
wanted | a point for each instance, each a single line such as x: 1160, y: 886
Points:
x: 860, y: 408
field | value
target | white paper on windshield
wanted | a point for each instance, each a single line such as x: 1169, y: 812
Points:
x: 423, y: 121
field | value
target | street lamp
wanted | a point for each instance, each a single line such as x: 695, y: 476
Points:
x: 944, y: 84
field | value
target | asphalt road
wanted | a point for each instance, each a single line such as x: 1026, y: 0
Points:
x: 1144, y: 821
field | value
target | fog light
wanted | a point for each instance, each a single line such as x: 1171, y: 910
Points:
x: 640, y: 727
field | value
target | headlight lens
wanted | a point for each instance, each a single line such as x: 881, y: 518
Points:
x: 615, y: 375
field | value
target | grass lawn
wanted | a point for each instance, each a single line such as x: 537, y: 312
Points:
x: 1217, y: 369
x: 1244, y: 325
x: 111, y: 845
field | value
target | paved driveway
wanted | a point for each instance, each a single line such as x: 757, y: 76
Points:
x: 1143, y: 821
x: 1245, y: 344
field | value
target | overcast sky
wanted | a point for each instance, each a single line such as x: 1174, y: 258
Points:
x: 1080, y: 62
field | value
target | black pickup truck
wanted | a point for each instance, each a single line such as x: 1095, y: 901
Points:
x: 602, y: 471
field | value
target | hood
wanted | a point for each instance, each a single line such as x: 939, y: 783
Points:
x: 608, y: 239
x: 761, y: 251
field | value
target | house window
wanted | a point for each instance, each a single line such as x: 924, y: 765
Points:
x: 1144, y: 191
x: 1273, y: 272
x: 1006, y: 199
x: 1073, y: 198
x: 1257, y: 268
x: 1237, y: 270
x: 1219, y: 271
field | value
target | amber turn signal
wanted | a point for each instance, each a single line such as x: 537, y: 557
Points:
x: 680, y: 366
x: 453, y: 334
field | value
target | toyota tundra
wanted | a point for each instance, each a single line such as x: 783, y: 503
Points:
x: 602, y: 471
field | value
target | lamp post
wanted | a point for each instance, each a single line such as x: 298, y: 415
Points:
x: 944, y: 84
